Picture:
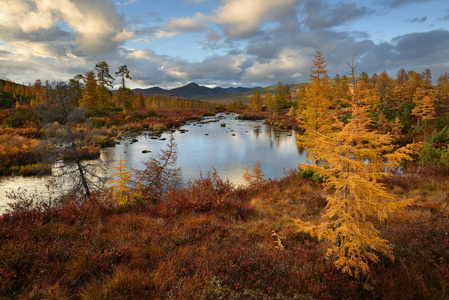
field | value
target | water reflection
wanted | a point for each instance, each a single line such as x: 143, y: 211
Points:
x: 202, y: 146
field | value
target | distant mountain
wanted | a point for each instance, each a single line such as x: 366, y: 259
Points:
x: 193, y: 90
x: 245, y: 96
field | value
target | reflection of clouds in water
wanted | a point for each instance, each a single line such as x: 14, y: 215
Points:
x: 33, y: 186
x: 229, y: 155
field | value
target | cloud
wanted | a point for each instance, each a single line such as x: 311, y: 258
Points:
x: 423, y: 46
x: 243, y: 18
x: 126, y: 2
x: 146, y: 54
x: 417, y: 20
x: 211, y: 70
x: 215, y: 41
x: 184, y: 25
x: 56, y: 39
x: 320, y: 14
x: 414, y: 51
x: 445, y: 17
x: 92, y: 26
x: 251, y: 42
x: 286, y: 65
x: 177, y: 26
x: 399, y: 3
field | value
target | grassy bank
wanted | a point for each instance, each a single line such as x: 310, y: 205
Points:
x: 211, y: 240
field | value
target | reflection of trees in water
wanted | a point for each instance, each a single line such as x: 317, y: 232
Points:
x: 300, y: 149
x: 278, y: 137
x: 271, y: 137
x: 257, y: 131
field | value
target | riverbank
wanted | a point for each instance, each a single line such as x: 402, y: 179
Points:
x: 225, y: 242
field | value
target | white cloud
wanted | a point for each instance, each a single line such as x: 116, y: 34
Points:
x: 56, y: 39
x: 177, y: 26
x: 126, y: 2
x: 288, y: 62
x: 174, y: 72
x: 94, y: 23
x: 241, y: 18
x: 146, y: 54
x: 124, y: 35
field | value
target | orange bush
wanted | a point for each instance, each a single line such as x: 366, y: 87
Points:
x: 16, y: 150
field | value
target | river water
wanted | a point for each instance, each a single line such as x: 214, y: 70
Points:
x: 202, y: 145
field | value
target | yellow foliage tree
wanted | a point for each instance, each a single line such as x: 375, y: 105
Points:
x: 255, y: 102
x: 352, y: 158
x: 442, y: 89
x: 314, y: 111
x: 256, y: 177
x: 89, y: 93
x: 271, y: 103
x: 120, y: 186
x: 140, y: 101
x: 291, y: 111
x: 425, y: 106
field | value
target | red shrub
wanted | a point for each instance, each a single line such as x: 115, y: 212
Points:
x: 203, y: 194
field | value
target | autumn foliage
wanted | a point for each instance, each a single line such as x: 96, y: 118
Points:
x: 352, y: 158
x: 148, y: 237
x: 256, y: 177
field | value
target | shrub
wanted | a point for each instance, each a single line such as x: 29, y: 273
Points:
x: 442, y: 121
x: 85, y: 152
x: 29, y: 130
x: 19, y: 116
x: 32, y: 169
x: 98, y: 122
x: 201, y: 195
x: 133, y: 127
x: 17, y: 150
x: 311, y: 174
x: 137, y: 116
x: 104, y: 141
x: 157, y: 127
x: 435, y: 151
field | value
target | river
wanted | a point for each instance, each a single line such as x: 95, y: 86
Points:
x: 201, y: 145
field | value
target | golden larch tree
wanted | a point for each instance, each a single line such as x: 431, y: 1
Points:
x: 256, y: 101
x: 270, y: 102
x: 442, y: 88
x: 89, y: 93
x: 140, y: 101
x: 425, y: 106
x: 352, y: 159
x: 256, y: 176
x: 314, y: 110
x: 121, y: 190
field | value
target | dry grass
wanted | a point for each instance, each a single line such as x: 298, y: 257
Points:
x: 244, y: 246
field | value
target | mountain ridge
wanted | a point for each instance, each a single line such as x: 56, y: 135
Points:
x: 193, y: 90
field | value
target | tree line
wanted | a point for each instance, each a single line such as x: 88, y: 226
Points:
x: 92, y: 90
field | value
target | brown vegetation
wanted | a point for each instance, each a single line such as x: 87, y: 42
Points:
x: 232, y: 243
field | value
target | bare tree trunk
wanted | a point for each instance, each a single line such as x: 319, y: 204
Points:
x: 75, y: 153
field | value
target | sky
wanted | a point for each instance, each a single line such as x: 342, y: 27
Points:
x: 170, y: 43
